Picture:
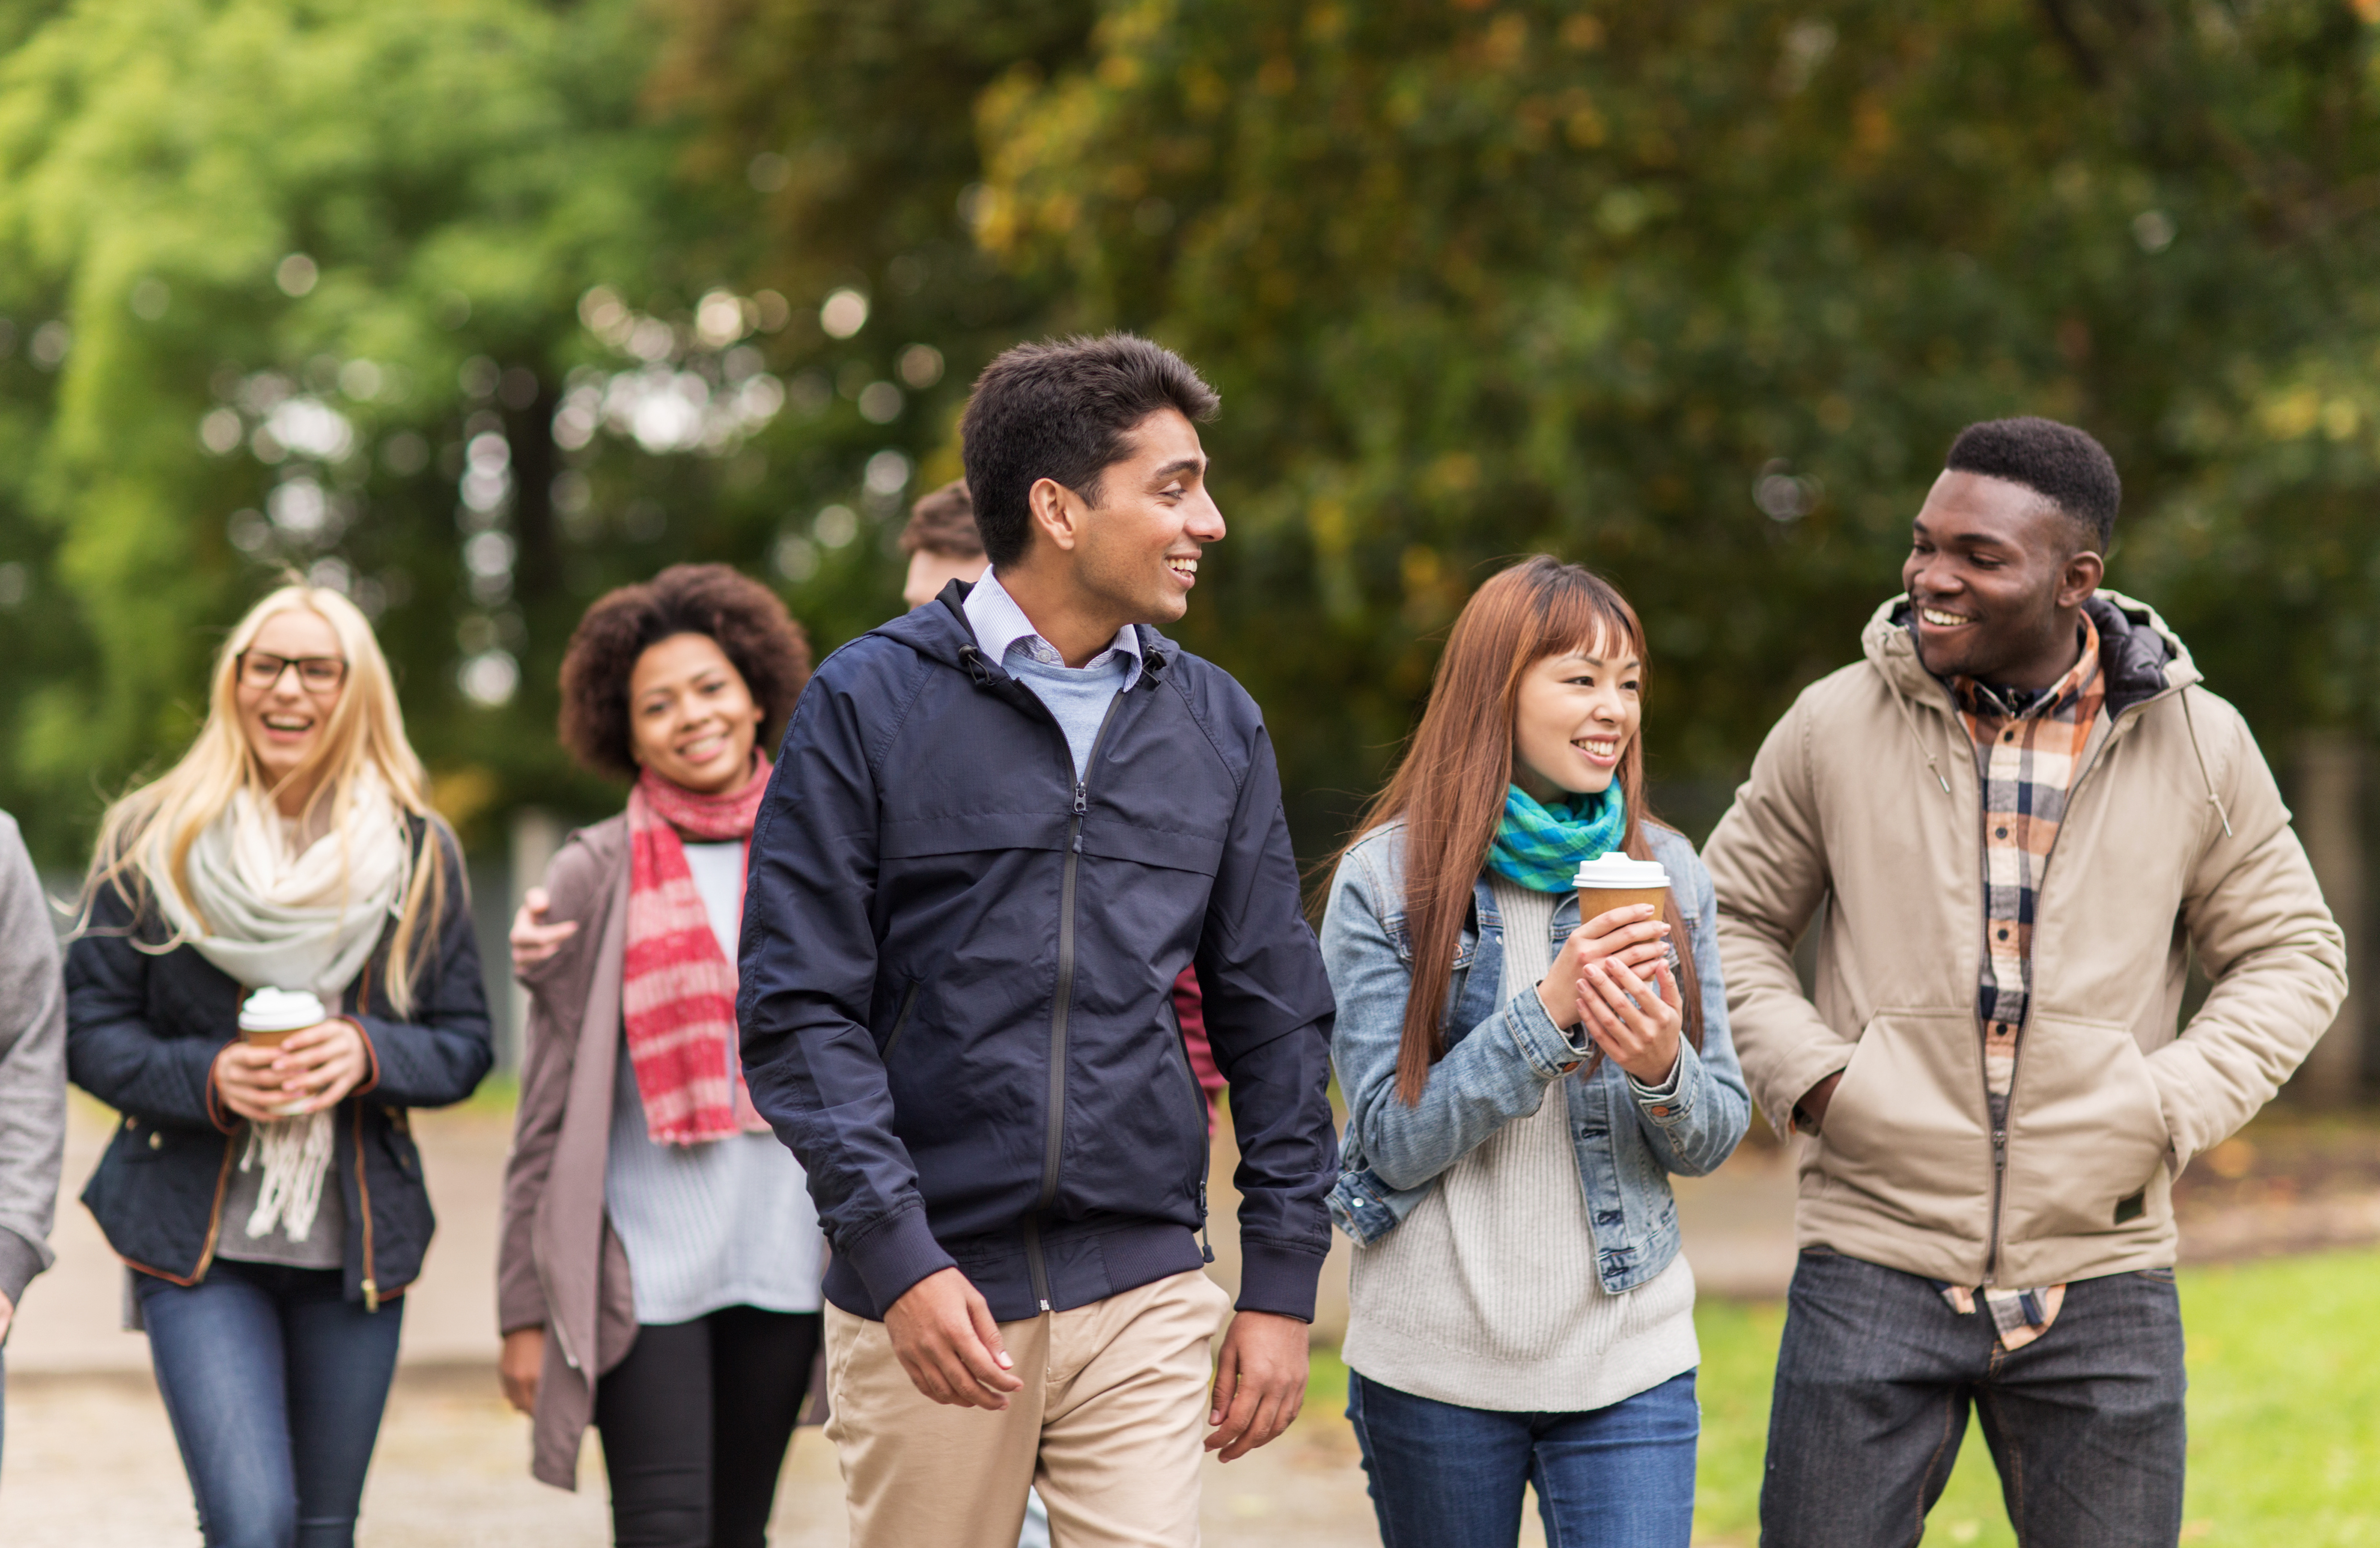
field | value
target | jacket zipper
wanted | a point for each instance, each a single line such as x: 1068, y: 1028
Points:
x: 363, y: 1187
x: 1053, y: 1139
x: 2016, y: 1065
x: 900, y: 1022
x: 1199, y: 1112
x: 214, y: 1215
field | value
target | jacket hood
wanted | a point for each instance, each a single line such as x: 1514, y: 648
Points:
x: 940, y: 632
x: 2142, y: 656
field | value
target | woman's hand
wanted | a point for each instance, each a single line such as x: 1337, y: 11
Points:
x: 518, y: 1365
x: 1635, y: 1020
x: 310, y: 1070
x: 1630, y: 935
x: 532, y: 940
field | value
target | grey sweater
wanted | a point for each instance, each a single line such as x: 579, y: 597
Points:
x: 32, y: 1068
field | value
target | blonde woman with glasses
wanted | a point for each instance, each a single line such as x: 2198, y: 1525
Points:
x: 274, y: 963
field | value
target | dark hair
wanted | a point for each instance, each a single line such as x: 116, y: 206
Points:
x: 1059, y: 410
x: 2058, y: 462
x: 741, y: 615
x: 943, y: 523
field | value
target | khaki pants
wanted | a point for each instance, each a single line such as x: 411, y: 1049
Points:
x: 1108, y: 1428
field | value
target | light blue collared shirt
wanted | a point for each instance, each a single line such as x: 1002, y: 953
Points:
x: 1078, y: 696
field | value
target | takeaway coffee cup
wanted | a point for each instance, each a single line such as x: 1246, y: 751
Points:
x: 269, y: 1016
x: 1611, y: 881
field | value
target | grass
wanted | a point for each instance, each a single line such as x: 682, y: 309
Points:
x: 2283, y: 1362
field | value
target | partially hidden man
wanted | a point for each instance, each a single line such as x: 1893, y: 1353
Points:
x: 2016, y: 821
x: 1001, y: 826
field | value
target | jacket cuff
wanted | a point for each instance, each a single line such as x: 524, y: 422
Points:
x: 898, y: 1252
x: 1278, y: 1280
x: 1672, y: 1102
x: 20, y: 1261
x: 1548, y: 1051
x: 1807, y: 1066
x: 372, y: 1055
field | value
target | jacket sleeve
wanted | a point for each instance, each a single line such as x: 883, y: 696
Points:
x: 2256, y: 917
x: 1767, y: 864
x: 1498, y: 1072
x: 1268, y: 1008
x: 549, y: 1057
x: 32, y: 1068
x: 112, y: 1051
x: 808, y: 972
x: 439, y: 1056
x: 1695, y: 1129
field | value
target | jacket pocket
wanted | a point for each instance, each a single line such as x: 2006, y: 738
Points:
x: 2086, y: 1129
x: 1905, y: 1133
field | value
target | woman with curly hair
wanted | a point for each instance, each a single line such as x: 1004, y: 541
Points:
x: 660, y: 1263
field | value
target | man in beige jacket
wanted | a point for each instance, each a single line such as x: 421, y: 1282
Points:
x: 2015, y: 821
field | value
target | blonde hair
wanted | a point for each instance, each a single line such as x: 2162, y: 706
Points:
x: 144, y: 841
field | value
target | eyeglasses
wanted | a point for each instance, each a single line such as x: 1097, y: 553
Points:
x: 318, y: 674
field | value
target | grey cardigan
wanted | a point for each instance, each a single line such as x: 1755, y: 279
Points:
x: 32, y: 1068
x: 559, y: 1265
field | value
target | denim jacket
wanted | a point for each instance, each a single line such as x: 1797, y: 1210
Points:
x: 1499, y: 1059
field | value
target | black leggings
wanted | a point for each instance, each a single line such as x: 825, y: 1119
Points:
x: 695, y: 1421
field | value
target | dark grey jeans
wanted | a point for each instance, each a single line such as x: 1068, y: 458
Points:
x: 1873, y: 1385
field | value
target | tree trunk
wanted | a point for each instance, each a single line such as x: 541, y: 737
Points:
x: 2329, y: 821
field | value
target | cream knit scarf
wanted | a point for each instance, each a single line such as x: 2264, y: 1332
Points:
x: 275, y: 910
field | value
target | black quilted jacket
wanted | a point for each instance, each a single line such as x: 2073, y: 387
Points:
x: 142, y: 1032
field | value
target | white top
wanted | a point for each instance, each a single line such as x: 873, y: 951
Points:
x: 1486, y: 1296
x: 726, y: 1222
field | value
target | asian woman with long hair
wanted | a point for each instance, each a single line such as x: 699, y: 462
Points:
x: 287, y: 876
x: 1520, y: 1085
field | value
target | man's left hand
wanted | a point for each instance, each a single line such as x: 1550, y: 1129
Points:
x: 1259, y: 1382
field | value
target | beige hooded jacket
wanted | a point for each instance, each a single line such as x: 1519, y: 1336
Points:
x: 1864, y: 802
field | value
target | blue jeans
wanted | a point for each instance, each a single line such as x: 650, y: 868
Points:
x: 274, y: 1382
x: 1874, y: 1378
x: 1444, y: 1476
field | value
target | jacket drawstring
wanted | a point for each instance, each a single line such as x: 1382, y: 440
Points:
x: 2204, y: 778
x: 1901, y: 702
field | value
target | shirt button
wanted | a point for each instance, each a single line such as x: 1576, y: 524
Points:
x: 1660, y: 1112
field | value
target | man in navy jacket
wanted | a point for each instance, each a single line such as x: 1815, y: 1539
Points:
x: 1000, y: 828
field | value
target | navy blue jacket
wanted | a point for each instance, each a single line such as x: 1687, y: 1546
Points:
x: 956, y: 972
x: 142, y: 1032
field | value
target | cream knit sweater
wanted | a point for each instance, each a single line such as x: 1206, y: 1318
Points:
x: 1486, y: 1296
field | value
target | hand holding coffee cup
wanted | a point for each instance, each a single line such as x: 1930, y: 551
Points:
x: 1627, y: 999
x: 292, y: 1058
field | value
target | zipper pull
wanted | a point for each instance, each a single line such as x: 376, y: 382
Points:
x: 371, y: 1295
x: 1082, y: 799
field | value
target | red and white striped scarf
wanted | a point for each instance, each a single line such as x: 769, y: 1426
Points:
x: 677, y: 989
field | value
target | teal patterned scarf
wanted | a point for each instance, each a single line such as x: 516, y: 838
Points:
x: 1540, y: 847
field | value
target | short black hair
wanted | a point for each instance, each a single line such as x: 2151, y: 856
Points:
x: 745, y: 617
x: 2064, y: 466
x: 1059, y: 410
x: 943, y: 523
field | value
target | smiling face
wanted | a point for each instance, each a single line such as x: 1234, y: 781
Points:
x: 1134, y: 555
x: 284, y: 719
x: 691, y: 716
x: 1576, y: 714
x: 1997, y: 576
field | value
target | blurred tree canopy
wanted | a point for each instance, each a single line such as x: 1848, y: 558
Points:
x: 480, y: 309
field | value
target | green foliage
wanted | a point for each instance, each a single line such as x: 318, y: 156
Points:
x: 1696, y: 294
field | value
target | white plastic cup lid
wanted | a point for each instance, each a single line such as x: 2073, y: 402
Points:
x: 1616, y: 870
x: 269, y: 1009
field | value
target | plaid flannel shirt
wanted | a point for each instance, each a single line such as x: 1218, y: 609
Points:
x: 2028, y: 748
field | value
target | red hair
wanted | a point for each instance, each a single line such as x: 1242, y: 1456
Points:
x: 1450, y: 786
